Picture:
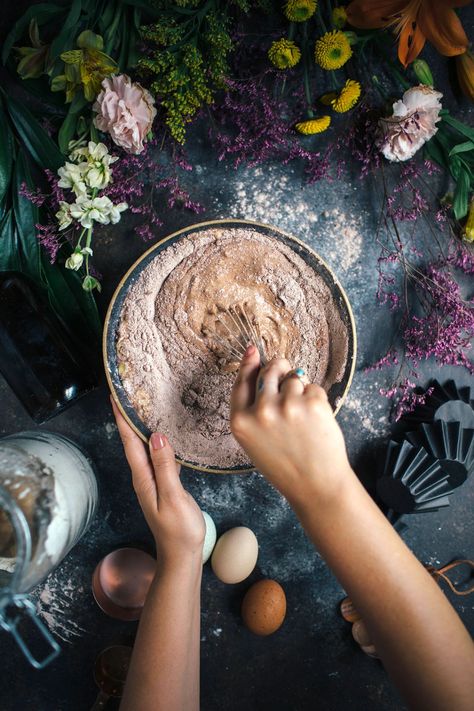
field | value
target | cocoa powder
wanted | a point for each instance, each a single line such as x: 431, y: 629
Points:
x: 177, y: 375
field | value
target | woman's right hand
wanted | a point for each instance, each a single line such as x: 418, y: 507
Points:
x: 288, y: 430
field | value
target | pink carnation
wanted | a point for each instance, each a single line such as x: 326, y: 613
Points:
x: 413, y: 123
x: 125, y: 111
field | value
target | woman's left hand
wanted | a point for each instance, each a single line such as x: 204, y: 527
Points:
x: 172, y: 514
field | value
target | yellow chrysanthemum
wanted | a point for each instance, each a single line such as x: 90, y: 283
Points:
x: 346, y: 99
x: 315, y: 125
x: 339, y: 17
x: 284, y: 54
x: 332, y: 50
x: 468, y: 233
x: 299, y: 10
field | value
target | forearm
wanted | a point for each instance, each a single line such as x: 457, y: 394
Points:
x: 418, y: 635
x: 164, y: 670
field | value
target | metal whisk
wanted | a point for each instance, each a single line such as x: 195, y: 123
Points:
x: 240, y: 330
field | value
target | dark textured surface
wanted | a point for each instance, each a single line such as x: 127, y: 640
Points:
x: 312, y: 661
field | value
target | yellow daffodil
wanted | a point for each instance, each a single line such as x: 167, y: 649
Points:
x: 339, y: 17
x: 299, y: 10
x: 284, y: 54
x: 468, y: 233
x: 314, y: 125
x: 332, y: 50
x: 346, y: 99
x: 86, y: 67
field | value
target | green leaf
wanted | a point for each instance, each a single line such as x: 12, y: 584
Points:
x: 71, y: 303
x: 462, y: 148
x: 461, y: 195
x: 68, y: 128
x: 65, y: 39
x: 459, y: 126
x: 26, y: 217
x: 9, y: 253
x: 455, y: 167
x: 6, y: 153
x: 42, y: 13
x: 39, y: 145
x: 434, y: 151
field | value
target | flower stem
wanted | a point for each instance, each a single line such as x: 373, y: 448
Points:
x: 378, y: 86
x: 80, y: 237
x: 88, y: 244
x: 320, y: 17
x: 307, y: 88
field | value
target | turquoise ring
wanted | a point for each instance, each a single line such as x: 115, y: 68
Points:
x: 299, y: 373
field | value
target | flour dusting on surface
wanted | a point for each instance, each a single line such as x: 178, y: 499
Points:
x: 57, y: 602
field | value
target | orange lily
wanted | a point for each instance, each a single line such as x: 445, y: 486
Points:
x: 465, y: 69
x: 414, y: 21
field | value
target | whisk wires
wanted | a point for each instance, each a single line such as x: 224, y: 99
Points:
x: 240, y: 330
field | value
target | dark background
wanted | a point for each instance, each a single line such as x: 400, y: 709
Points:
x: 312, y: 661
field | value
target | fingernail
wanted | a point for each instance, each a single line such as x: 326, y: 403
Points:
x: 250, y: 350
x: 157, y: 441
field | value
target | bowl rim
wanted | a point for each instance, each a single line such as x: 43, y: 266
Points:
x: 199, y: 226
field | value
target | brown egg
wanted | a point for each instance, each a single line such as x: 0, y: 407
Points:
x: 361, y: 634
x: 264, y: 607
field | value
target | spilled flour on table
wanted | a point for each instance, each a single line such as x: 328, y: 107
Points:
x: 57, y: 602
x: 373, y: 419
x: 334, y: 233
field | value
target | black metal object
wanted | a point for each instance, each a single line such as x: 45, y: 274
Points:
x: 438, y: 456
x: 446, y: 402
x: 412, y: 480
x: 451, y: 444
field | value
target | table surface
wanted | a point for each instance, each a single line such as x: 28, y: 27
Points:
x: 312, y: 661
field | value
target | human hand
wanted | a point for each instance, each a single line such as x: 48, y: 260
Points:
x: 172, y: 514
x: 288, y: 430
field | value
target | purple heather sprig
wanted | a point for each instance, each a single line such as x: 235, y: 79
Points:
x: 406, y: 397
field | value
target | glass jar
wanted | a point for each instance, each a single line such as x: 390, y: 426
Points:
x: 48, y: 496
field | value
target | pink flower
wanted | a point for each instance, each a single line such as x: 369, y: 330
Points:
x: 125, y: 111
x: 413, y: 123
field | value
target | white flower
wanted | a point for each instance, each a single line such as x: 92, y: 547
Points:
x: 95, y: 168
x: 63, y: 215
x: 74, y: 261
x: 413, y: 123
x: 115, y: 212
x: 72, y: 177
x: 99, y: 209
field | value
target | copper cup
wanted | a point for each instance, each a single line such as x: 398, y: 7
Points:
x: 121, y: 582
